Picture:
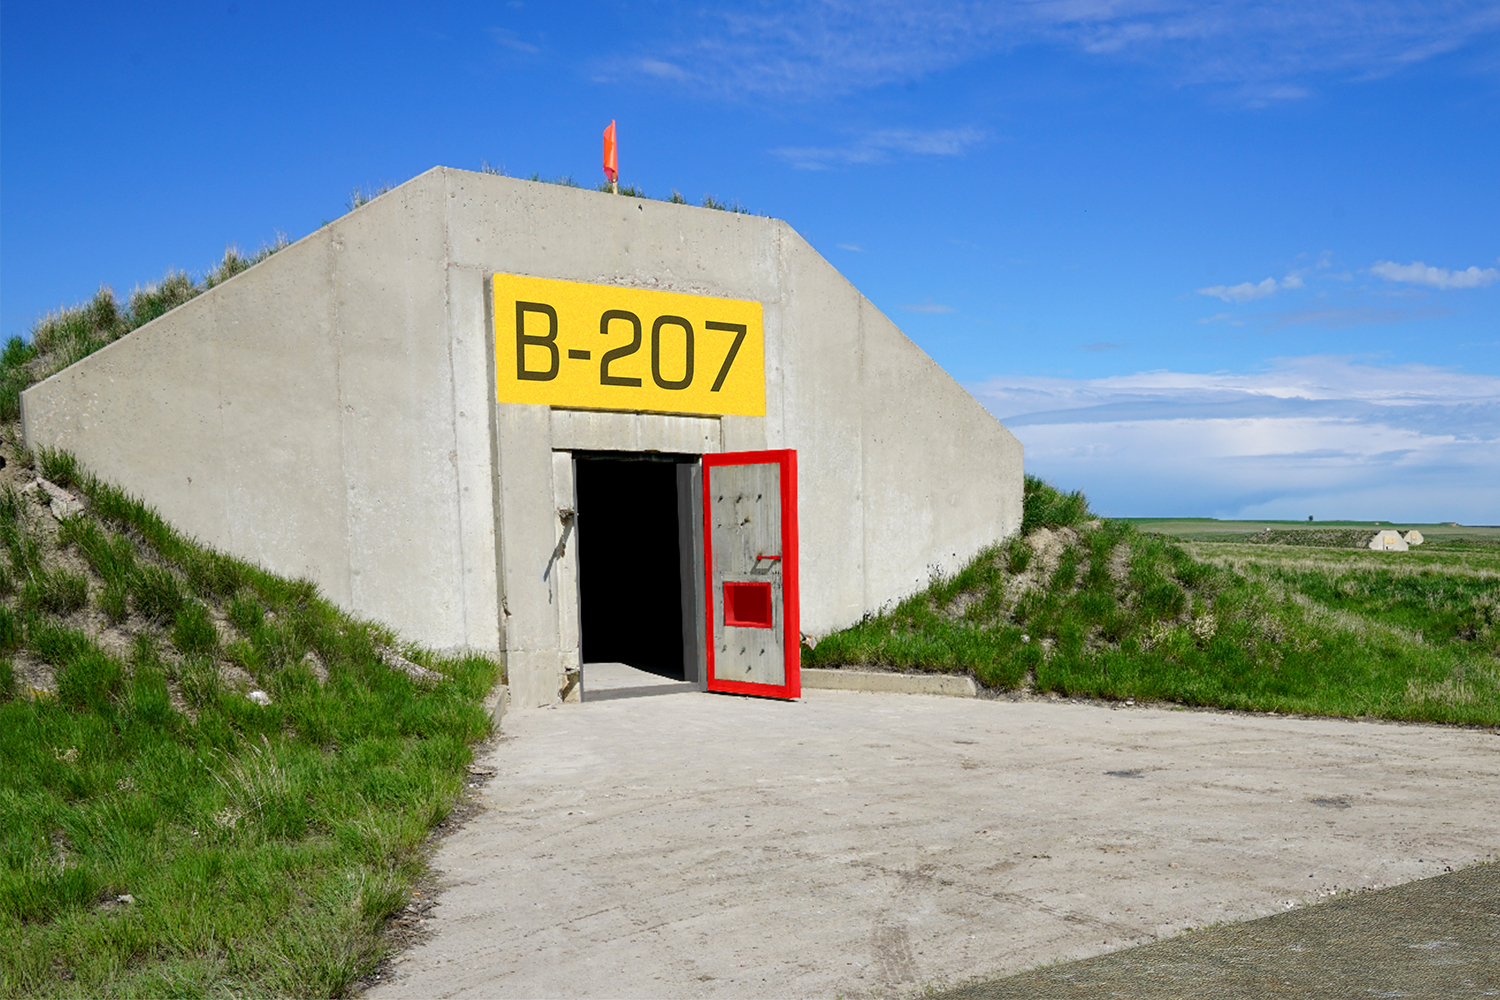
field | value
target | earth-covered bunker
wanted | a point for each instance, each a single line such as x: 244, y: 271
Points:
x: 387, y: 408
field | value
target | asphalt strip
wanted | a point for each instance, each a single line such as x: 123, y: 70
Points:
x: 1437, y: 937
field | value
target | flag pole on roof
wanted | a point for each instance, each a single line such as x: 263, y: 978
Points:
x: 611, y: 161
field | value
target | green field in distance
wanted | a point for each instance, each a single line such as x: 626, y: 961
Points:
x: 1205, y: 527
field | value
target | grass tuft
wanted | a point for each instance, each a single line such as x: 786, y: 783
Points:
x: 55, y: 591
x: 709, y: 201
x: 12, y: 630
x: 156, y: 595
x: 1044, y: 506
x: 89, y: 679
x: 58, y: 466
x: 193, y: 632
x: 362, y: 196
x: 627, y: 190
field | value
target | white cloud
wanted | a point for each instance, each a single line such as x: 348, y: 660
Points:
x: 1245, y: 291
x: 880, y: 146
x: 1418, y: 273
x: 1264, y: 50
x: 927, y: 307
x: 1248, y: 291
x: 508, y: 38
x: 662, y: 70
x: 1278, y: 92
x: 1284, y: 467
x: 854, y: 247
x: 1311, y: 377
x: 1328, y: 436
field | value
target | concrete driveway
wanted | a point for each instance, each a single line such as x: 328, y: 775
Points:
x: 655, y: 841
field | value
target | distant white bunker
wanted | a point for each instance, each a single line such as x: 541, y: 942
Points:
x: 1390, y: 540
x: 498, y: 415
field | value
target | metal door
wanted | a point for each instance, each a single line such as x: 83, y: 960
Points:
x: 750, y: 572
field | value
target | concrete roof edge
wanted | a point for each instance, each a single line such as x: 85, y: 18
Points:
x: 326, y: 228
x: 590, y: 191
x: 865, y: 302
x: 204, y: 298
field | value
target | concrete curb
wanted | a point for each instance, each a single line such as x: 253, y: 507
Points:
x: 497, y: 702
x: 951, y: 685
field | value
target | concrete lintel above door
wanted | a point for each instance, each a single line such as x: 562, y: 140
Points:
x: 598, y: 430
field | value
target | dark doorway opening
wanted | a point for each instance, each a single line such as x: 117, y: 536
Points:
x: 629, y: 562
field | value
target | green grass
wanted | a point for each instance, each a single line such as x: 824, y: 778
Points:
x: 1098, y: 608
x: 262, y: 847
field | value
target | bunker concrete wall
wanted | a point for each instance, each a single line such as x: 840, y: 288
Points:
x: 331, y: 413
x: 306, y: 415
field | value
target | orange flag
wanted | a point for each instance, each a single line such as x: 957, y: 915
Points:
x: 611, y: 164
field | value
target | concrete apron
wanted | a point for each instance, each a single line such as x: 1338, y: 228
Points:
x: 682, y: 844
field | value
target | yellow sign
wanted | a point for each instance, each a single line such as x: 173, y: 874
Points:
x: 565, y: 343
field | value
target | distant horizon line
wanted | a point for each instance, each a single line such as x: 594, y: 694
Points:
x: 1273, y: 520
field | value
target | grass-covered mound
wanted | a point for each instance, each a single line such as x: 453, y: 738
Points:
x: 1079, y: 605
x: 212, y: 781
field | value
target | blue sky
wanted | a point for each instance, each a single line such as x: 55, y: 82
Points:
x: 1227, y: 259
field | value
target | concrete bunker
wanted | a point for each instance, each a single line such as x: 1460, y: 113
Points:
x: 425, y: 405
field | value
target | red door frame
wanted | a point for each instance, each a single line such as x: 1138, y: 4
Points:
x: 791, y: 612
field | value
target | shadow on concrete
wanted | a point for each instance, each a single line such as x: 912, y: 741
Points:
x: 611, y: 694
x: 615, y: 681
